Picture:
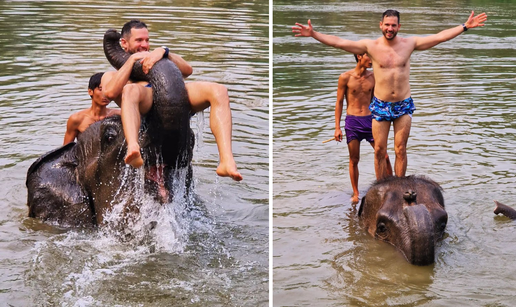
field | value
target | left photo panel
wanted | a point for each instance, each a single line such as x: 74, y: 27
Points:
x: 135, y: 157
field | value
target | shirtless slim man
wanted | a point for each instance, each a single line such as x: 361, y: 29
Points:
x: 78, y: 122
x: 357, y: 86
x: 392, y: 100
x: 136, y: 98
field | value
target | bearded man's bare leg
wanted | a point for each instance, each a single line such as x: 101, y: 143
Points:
x: 389, y: 165
x: 136, y: 100
x: 380, y: 136
x: 387, y: 162
x: 402, y: 127
x: 203, y: 95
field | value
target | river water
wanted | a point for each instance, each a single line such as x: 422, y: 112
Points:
x: 463, y: 136
x: 214, y: 254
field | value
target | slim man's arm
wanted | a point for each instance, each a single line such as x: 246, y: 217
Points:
x: 339, y: 105
x: 71, y: 129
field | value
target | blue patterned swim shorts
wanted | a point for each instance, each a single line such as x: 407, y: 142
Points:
x: 389, y: 111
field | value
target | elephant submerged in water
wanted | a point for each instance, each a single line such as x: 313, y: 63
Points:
x: 75, y: 185
x: 407, y: 212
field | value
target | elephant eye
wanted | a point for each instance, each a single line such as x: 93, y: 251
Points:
x: 110, y: 135
x: 380, y: 228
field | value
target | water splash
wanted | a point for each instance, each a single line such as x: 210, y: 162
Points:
x: 200, y: 128
x: 138, y: 218
x: 137, y: 227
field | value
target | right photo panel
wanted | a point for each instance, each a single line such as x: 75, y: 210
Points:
x: 393, y: 153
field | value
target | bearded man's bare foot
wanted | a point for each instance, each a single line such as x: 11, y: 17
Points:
x: 134, y: 158
x: 229, y: 170
x: 354, y: 199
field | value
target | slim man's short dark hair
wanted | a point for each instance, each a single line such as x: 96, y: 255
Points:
x: 135, y: 23
x: 391, y: 13
x: 356, y: 56
x: 95, y: 81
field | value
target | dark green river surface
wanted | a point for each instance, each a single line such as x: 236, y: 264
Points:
x: 216, y: 254
x: 463, y: 136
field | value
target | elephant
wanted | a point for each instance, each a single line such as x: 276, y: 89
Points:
x: 505, y: 210
x: 77, y: 184
x: 408, y: 213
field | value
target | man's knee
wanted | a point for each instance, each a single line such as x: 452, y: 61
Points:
x: 400, y: 150
x: 221, y: 93
x: 131, y: 91
x: 138, y: 95
x: 354, y: 160
x: 380, y: 149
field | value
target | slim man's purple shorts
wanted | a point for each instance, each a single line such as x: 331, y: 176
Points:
x: 359, y: 128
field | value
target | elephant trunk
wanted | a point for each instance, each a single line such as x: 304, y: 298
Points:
x: 505, y: 210
x: 171, y: 110
x: 419, y: 240
x: 112, y: 49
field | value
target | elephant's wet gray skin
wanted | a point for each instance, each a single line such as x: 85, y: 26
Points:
x: 505, y: 210
x: 408, y: 213
x: 75, y: 185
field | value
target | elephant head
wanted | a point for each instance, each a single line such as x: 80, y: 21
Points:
x: 407, y: 212
x: 77, y: 184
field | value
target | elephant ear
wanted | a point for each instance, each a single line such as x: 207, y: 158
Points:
x: 54, y: 194
x: 49, y: 156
